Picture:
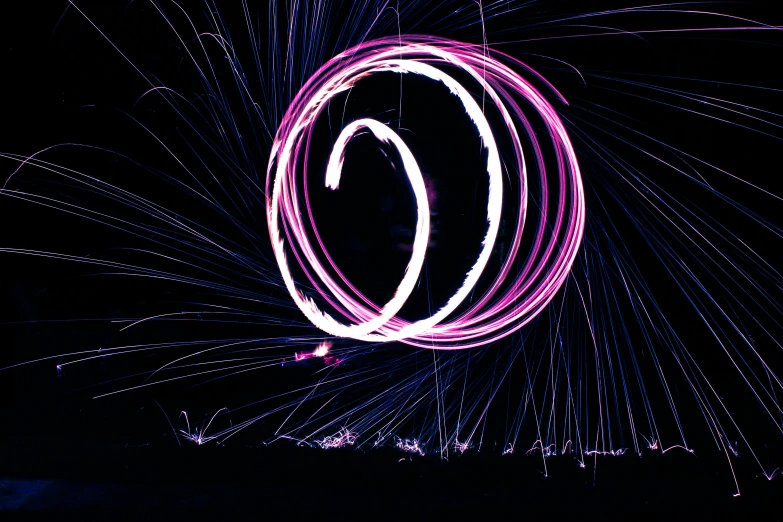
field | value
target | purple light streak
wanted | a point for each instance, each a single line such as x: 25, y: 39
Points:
x: 497, y: 313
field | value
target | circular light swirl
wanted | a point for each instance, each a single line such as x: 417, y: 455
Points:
x: 506, y: 305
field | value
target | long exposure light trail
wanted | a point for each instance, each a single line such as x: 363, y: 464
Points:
x: 493, y: 316
x: 174, y: 242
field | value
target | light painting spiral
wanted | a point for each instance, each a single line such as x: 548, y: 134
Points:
x: 512, y: 299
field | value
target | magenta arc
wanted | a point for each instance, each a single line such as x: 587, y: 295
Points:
x: 507, y: 304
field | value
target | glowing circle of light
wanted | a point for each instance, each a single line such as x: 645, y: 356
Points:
x: 508, y: 304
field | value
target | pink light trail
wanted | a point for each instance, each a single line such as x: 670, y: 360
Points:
x: 506, y: 305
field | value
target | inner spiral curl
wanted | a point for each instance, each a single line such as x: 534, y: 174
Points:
x: 505, y: 306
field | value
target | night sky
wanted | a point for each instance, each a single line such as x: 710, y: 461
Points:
x: 64, y: 83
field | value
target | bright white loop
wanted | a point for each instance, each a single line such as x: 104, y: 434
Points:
x: 490, y: 318
x: 412, y: 271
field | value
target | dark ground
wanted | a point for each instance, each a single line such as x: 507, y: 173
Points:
x: 52, y: 475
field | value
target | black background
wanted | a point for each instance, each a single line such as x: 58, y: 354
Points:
x: 63, y: 83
